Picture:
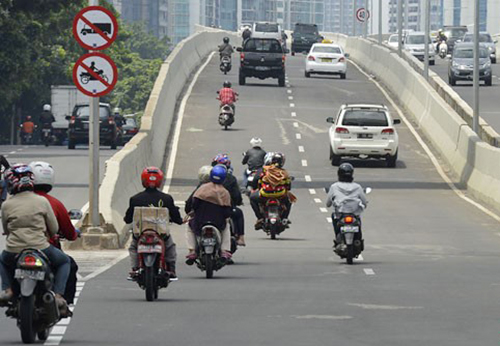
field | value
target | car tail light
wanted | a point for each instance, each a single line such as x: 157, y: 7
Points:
x: 72, y: 120
x: 348, y: 219
x: 342, y: 130
x: 242, y: 57
x: 311, y: 58
x: 283, y: 58
x: 388, y: 131
x: 342, y: 59
x: 111, y: 121
x: 132, y: 131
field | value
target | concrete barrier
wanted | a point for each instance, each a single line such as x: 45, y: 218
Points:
x: 149, y: 147
x: 473, y: 163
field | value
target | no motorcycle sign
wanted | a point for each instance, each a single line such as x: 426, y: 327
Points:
x: 95, y: 74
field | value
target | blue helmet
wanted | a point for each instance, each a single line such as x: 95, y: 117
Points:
x: 218, y: 174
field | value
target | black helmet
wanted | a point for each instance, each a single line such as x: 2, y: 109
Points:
x: 346, y: 172
x: 226, y: 39
x: 227, y: 84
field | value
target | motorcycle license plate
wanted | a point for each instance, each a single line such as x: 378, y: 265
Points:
x: 349, y: 229
x: 149, y: 249
x: 208, y: 242
x: 85, y: 126
x: 29, y: 274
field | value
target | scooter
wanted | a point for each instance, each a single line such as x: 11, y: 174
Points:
x: 208, y: 250
x: 226, y: 116
x: 225, y: 64
x: 443, y: 50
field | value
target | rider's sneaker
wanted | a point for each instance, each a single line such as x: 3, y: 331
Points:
x: 133, y: 274
x: 172, y: 276
x: 5, y: 297
x: 258, y: 224
x: 191, y: 258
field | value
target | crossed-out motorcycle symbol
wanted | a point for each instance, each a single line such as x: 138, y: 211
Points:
x: 86, y: 77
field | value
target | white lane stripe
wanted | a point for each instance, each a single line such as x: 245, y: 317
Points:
x: 298, y: 136
x: 178, y: 127
x: 289, y: 91
x: 77, y: 293
x: 329, y: 219
x: 317, y: 200
x: 80, y: 284
x: 12, y: 152
x: 290, y: 98
x: 360, y: 258
x: 312, y: 191
x: 304, y: 163
x: 294, y: 114
x: 53, y: 340
x: 106, y: 267
x: 323, y: 210
x: 301, y: 149
x: 75, y: 301
x: 429, y: 153
x: 295, y: 124
x: 369, y: 271
x: 308, y: 178
x: 292, y: 105
x: 58, y: 330
x: 64, y: 322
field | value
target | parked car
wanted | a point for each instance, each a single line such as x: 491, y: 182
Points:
x: 486, y: 41
x: 78, y: 128
x: 461, y: 65
x: 453, y: 34
x: 364, y: 131
x: 304, y: 36
x: 262, y: 58
x: 129, y: 129
x: 326, y: 59
x: 414, y: 43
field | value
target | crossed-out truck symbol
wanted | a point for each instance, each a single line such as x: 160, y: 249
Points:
x: 104, y: 27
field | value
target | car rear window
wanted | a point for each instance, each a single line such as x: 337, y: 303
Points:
x: 264, y: 27
x: 131, y: 122
x: 393, y: 39
x: 364, y: 118
x: 323, y: 49
x: 263, y: 45
x: 306, y: 29
x: 416, y: 39
x: 468, y: 53
x: 84, y: 112
x: 484, y: 38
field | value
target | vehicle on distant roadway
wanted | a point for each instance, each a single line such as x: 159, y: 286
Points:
x: 262, y: 58
x: 63, y: 100
x: 453, y: 34
x: 486, y: 41
x: 363, y: 131
x: 414, y: 43
x: 129, y: 129
x: 461, y: 67
x: 267, y: 30
x: 304, y: 36
x: 225, y: 64
x: 326, y: 59
x: 392, y: 41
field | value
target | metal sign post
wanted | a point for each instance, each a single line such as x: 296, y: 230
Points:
x: 354, y: 17
x: 400, y: 27
x: 427, y: 36
x: 475, y: 114
x: 380, y: 21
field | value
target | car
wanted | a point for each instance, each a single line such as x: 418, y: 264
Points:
x: 129, y: 129
x: 267, y: 30
x: 453, y: 34
x: 304, y: 36
x: 324, y: 58
x: 243, y: 27
x: 363, y: 131
x: 393, y: 41
x: 461, y: 65
x: 486, y: 41
x: 78, y: 128
x: 414, y: 43
x: 262, y: 58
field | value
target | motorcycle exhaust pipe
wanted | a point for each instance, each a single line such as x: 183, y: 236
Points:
x: 50, y: 307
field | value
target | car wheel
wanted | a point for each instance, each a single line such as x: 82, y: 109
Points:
x: 488, y: 81
x: 452, y: 81
x: 281, y: 80
x: 242, y: 79
x: 494, y: 60
x: 342, y: 76
x: 307, y: 74
x: 391, y: 160
x: 432, y: 62
x: 71, y: 143
x: 335, y: 159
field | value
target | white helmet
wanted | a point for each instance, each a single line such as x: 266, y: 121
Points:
x: 46, y: 108
x: 116, y: 110
x: 43, y: 173
x: 256, y: 142
x: 204, y: 174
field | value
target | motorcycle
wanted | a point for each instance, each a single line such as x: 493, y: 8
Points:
x: 225, y: 64
x: 86, y: 77
x: 274, y: 223
x: 443, y: 50
x: 251, y: 176
x: 226, y: 116
x: 208, y: 250
x: 34, y: 306
x: 47, y: 135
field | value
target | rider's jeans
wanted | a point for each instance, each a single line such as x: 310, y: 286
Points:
x: 225, y: 234
x: 3, y: 184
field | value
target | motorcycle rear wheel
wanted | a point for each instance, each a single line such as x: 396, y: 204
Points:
x: 350, y: 254
x: 26, y: 310
x: 273, y: 232
x: 149, y: 280
x: 43, y: 335
x: 209, y: 266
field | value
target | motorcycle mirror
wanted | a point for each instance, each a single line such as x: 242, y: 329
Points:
x: 368, y: 190
x: 75, y: 214
x: 218, y: 92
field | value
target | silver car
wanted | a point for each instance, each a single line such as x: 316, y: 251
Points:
x: 462, y: 64
x: 486, y: 41
x: 414, y: 44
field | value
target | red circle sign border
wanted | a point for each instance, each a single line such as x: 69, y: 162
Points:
x: 358, y: 12
x: 95, y: 8
x: 113, y: 66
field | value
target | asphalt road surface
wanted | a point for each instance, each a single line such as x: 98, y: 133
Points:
x: 489, y: 107
x: 429, y: 273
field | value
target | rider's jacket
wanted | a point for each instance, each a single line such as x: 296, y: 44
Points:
x: 226, y: 49
x: 211, y: 204
x: 153, y: 198
x: 347, y: 198
x: 46, y: 118
x: 274, y: 182
x: 254, y: 158
x: 227, y: 96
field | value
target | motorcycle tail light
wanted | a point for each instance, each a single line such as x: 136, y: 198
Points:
x: 209, y: 232
x: 348, y: 219
x: 31, y: 261
x: 273, y: 202
x: 150, y: 239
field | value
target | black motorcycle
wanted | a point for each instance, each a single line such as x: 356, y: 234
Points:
x: 225, y: 64
x: 208, y: 250
x: 274, y: 223
x: 86, y: 77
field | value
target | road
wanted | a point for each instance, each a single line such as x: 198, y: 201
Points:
x: 488, y: 96
x: 428, y: 274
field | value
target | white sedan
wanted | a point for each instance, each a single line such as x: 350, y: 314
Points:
x: 364, y: 131
x: 326, y: 58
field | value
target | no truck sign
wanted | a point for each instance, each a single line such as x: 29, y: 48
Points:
x: 95, y: 28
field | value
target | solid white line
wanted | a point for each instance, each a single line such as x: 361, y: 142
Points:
x: 295, y: 124
x: 290, y: 98
x: 429, y: 153
x: 64, y: 322
x: 317, y: 200
x: 80, y: 284
x: 329, y: 219
x: 308, y: 178
x: 301, y: 149
x: 323, y: 210
x: 294, y: 114
x: 58, y: 330
x: 369, y: 271
x: 298, y: 136
x: 304, y: 163
x: 74, y: 302
x: 312, y: 191
x: 292, y: 105
x: 53, y: 341
x: 106, y: 267
x: 178, y: 127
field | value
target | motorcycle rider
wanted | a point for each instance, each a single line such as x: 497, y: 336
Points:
x: 47, y: 118
x: 273, y: 182
x: 4, y: 166
x: 44, y: 177
x: 345, y: 196
x: 26, y: 219
x: 211, y: 204
x: 247, y: 33
x: 119, y: 119
x: 225, y: 49
x: 441, y: 38
x: 254, y: 158
x: 152, y: 179
x: 227, y: 96
x: 28, y: 128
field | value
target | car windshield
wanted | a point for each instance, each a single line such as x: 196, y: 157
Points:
x: 455, y: 33
x: 263, y: 45
x: 484, y: 38
x: 306, y: 29
x: 323, y: 49
x: 416, y: 39
x: 393, y: 38
x: 364, y: 118
x: 468, y: 53
x: 131, y: 122
x: 265, y: 27
x: 83, y: 112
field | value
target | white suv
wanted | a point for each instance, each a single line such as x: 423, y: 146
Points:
x: 364, y: 131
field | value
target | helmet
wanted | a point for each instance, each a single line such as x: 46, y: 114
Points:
x: 43, y: 174
x: 19, y: 178
x: 152, y: 177
x: 218, y: 174
x: 256, y: 142
x: 225, y: 39
x: 46, y: 108
x: 28, y: 117
x: 116, y: 110
x: 346, y: 172
x: 227, y: 84
x: 221, y: 159
x: 204, y: 174
x: 274, y: 158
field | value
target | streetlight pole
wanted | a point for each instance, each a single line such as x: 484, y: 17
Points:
x: 427, y: 35
x: 353, y: 17
x: 400, y: 27
x: 475, y: 114
x: 379, y: 21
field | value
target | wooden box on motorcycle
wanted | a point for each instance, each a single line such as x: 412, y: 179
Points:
x: 151, y: 218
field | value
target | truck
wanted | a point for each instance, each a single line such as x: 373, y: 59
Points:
x: 63, y: 101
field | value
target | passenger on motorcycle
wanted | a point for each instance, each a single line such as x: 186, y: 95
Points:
x: 345, y: 196
x: 4, y: 165
x: 273, y: 182
x: 43, y: 176
x: 211, y: 204
x: 227, y: 96
x: 226, y: 49
x: 254, y: 158
x: 27, y: 219
x: 152, y: 179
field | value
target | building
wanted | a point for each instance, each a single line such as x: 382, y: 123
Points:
x: 151, y: 12
x: 306, y: 11
x: 461, y: 12
x: 414, y: 15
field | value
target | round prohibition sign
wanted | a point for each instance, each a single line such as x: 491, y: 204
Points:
x: 95, y: 74
x: 95, y: 27
x: 362, y: 14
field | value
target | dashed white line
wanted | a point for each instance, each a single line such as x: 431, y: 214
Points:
x: 298, y: 136
x: 294, y: 114
x: 304, y: 163
x: 301, y: 149
x: 289, y: 91
x: 329, y: 219
x: 292, y: 105
x: 53, y: 340
x: 369, y: 271
x: 295, y: 124
x: 290, y: 98
x: 312, y: 191
x: 12, y: 152
x: 317, y: 200
x: 308, y: 178
x: 58, y: 330
x: 323, y: 210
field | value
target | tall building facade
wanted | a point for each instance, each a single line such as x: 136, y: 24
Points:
x: 414, y: 15
x: 461, y: 12
x: 152, y: 12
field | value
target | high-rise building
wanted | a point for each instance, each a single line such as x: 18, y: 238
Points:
x: 461, y: 12
x: 151, y: 12
x: 414, y: 15
x: 338, y: 16
x: 306, y: 11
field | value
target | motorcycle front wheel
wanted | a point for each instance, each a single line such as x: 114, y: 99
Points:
x: 209, y: 266
x: 26, y: 310
x: 149, y: 281
x: 85, y: 79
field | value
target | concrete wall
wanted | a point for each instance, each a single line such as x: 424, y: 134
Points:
x: 149, y: 147
x: 473, y: 163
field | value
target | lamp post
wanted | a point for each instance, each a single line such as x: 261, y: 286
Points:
x: 475, y: 113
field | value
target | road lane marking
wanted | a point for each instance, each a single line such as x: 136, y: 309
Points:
x: 369, y: 271
x: 12, y: 152
x: 289, y: 91
x: 329, y: 219
x: 292, y: 105
x: 298, y: 136
x: 295, y: 124
x: 304, y: 163
x: 308, y: 178
x: 322, y: 317
x: 429, y: 153
x: 317, y: 200
x: 312, y: 191
x: 58, y: 330
x: 53, y: 341
x: 301, y: 149
x: 294, y: 114
x: 323, y: 210
x: 384, y: 307
x: 290, y: 98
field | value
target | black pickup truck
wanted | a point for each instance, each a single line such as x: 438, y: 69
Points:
x: 262, y: 58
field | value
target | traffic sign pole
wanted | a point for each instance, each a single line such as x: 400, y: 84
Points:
x: 94, y: 217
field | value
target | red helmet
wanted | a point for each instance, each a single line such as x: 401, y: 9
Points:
x: 152, y: 177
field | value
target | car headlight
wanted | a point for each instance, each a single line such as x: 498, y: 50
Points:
x: 455, y: 65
